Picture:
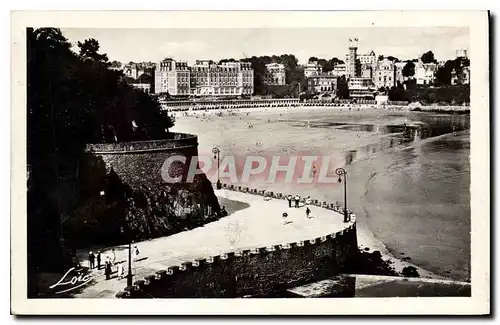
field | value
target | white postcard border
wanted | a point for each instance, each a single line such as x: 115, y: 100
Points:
x: 480, y: 145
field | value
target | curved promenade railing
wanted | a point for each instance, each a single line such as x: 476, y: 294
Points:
x: 177, y: 140
x: 253, y: 271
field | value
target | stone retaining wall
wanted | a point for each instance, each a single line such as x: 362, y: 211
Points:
x: 254, y: 272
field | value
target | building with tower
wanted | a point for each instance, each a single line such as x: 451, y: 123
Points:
x: 351, y: 59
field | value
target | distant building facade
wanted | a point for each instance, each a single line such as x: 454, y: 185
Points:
x: 339, y: 70
x: 399, y: 78
x: 384, y: 75
x: 133, y: 71
x: 367, y: 70
x: 322, y: 83
x: 461, y: 53
x: 172, y: 77
x: 369, y: 58
x: 425, y: 73
x: 461, y: 77
x: 225, y: 79
x: 142, y: 86
x: 313, y: 68
x: 361, y: 88
x: 275, y: 74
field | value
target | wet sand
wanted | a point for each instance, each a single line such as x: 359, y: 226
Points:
x: 337, y: 133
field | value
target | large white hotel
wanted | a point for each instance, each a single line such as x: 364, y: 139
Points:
x: 205, y: 78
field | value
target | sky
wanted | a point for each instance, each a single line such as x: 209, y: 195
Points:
x: 139, y: 45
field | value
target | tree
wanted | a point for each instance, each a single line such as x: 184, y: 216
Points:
x: 74, y: 99
x: 227, y: 60
x: 443, y: 75
x: 88, y: 51
x: 115, y: 64
x: 428, y: 57
x: 380, y: 57
x: 397, y: 94
x: 312, y: 59
x: 393, y: 59
x: 409, y: 69
x: 342, y: 88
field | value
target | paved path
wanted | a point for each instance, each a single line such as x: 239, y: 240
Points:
x: 259, y: 225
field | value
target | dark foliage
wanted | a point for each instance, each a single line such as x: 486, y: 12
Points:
x: 428, y: 57
x: 410, y: 271
x: 409, y: 69
x: 454, y: 95
x: 372, y: 263
x: 443, y: 74
x: 73, y: 99
x: 342, y: 88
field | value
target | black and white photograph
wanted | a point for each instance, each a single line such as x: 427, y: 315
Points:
x: 331, y: 161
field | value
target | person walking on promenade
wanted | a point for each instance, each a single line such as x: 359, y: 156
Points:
x: 297, y: 199
x: 289, y: 198
x: 107, y: 269
x: 136, y: 253
x: 120, y: 271
x: 308, y: 200
x: 308, y: 212
x: 113, y: 256
x: 91, y: 260
x: 98, y: 260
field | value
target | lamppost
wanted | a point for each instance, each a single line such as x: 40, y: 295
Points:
x: 342, y: 172
x: 216, y: 153
x: 129, y: 275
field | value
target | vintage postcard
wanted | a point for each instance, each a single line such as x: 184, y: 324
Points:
x: 172, y: 162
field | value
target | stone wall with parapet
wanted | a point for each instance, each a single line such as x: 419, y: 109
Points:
x: 256, y: 271
x: 141, y: 162
x: 130, y: 176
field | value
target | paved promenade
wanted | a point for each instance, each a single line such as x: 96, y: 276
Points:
x: 261, y: 224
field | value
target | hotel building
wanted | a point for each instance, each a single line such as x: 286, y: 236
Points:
x: 172, y: 77
x: 205, y: 78
x: 225, y: 79
x: 322, y: 83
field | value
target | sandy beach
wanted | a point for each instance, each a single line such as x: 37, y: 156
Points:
x: 364, y: 140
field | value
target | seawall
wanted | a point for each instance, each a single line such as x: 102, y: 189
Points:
x: 255, y: 271
x: 127, y: 196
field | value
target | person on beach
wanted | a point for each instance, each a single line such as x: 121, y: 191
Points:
x: 297, y: 199
x: 289, y: 198
x: 113, y: 257
x: 223, y: 211
x: 98, y: 260
x: 285, y: 215
x: 91, y: 260
x: 308, y: 212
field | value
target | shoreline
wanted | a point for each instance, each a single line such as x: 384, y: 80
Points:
x: 446, y: 109
x: 366, y: 238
